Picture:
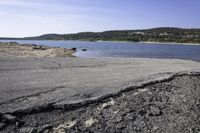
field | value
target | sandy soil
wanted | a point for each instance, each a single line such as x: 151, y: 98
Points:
x: 31, y: 50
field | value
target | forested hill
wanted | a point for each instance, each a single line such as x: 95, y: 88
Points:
x: 164, y: 34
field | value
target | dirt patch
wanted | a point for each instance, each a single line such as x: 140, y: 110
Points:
x: 32, y: 50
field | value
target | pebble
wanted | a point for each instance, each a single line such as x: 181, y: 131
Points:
x: 9, y: 118
x: 90, y: 122
x: 108, y: 104
x: 62, y: 128
x: 45, y: 127
x: 155, y: 110
x: 2, y: 125
x: 28, y: 130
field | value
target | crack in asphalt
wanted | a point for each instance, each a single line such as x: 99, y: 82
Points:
x: 48, y: 68
x: 70, y: 106
x: 60, y: 66
x: 32, y: 95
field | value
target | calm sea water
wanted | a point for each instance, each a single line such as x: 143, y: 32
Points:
x: 122, y: 49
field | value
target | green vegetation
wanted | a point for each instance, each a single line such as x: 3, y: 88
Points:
x: 164, y: 34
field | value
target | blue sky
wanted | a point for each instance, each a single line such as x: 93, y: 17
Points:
x: 21, y: 18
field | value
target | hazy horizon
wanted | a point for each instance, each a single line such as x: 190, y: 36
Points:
x: 25, y: 18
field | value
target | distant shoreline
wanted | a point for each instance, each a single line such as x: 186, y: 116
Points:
x: 158, y: 35
x: 170, y: 43
x: 144, y: 42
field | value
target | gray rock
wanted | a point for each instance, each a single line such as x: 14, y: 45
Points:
x: 45, y: 127
x: 155, y: 111
x: 2, y: 125
x: 73, y: 49
x: 39, y: 47
x: 28, y: 130
x: 9, y: 118
x: 19, y: 123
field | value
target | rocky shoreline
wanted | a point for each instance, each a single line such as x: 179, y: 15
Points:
x: 168, y: 105
x: 33, y: 50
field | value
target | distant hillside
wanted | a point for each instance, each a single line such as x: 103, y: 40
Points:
x: 163, y: 34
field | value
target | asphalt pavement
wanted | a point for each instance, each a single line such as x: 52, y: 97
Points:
x: 27, y: 83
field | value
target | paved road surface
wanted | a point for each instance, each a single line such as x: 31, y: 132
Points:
x: 30, y: 82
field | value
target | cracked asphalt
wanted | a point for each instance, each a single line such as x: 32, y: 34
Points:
x: 168, y: 106
x: 28, y: 83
